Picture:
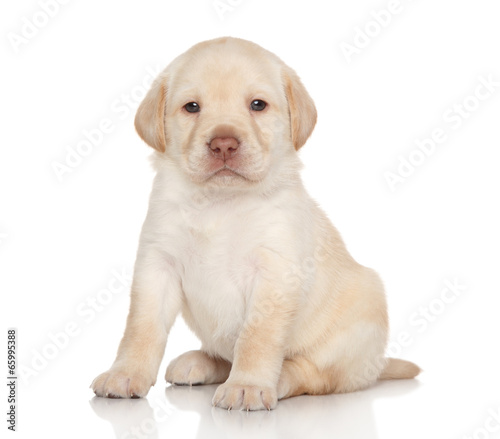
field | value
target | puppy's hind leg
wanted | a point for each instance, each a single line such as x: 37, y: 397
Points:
x: 197, y: 367
x: 300, y: 376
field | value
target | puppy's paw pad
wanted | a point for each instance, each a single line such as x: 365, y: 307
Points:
x: 120, y: 384
x: 244, y: 397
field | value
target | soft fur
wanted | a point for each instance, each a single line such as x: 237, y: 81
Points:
x: 238, y: 246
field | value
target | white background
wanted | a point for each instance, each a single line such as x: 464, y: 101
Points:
x: 61, y: 239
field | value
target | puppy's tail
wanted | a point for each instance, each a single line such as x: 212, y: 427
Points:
x: 399, y: 369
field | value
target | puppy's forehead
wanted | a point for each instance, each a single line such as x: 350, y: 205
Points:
x: 224, y: 62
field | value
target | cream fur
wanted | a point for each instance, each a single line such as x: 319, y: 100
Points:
x: 256, y: 268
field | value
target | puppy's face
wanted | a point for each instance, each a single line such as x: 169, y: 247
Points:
x: 227, y: 112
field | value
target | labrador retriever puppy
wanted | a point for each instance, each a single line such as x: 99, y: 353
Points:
x: 234, y: 242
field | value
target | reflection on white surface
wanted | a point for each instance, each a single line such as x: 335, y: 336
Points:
x: 129, y: 417
x: 304, y: 416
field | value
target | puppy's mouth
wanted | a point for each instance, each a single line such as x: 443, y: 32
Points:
x: 226, y: 171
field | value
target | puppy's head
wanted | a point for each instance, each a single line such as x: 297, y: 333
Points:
x: 227, y: 112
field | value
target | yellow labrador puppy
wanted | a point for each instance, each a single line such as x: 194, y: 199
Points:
x: 233, y: 241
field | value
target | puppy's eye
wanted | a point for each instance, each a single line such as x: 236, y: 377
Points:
x: 192, y: 107
x: 258, y: 105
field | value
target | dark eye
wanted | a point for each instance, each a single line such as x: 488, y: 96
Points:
x: 192, y: 107
x: 258, y: 105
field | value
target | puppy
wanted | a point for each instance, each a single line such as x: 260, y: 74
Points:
x: 233, y: 241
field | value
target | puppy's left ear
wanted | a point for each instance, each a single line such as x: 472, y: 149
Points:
x: 301, y: 106
x: 150, y: 116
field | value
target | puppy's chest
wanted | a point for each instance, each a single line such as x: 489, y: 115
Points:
x: 219, y: 271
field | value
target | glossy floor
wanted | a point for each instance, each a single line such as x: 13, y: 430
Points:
x: 431, y: 407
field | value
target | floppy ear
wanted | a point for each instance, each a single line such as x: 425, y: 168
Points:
x: 301, y: 107
x: 150, y: 116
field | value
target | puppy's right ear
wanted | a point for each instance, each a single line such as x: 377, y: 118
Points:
x: 150, y: 116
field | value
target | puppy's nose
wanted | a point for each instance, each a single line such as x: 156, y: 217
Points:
x: 224, y: 147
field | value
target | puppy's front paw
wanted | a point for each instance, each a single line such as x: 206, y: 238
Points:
x: 244, y: 397
x: 121, y: 384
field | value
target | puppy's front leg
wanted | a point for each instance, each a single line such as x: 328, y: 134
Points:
x: 155, y: 302
x: 259, y: 350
